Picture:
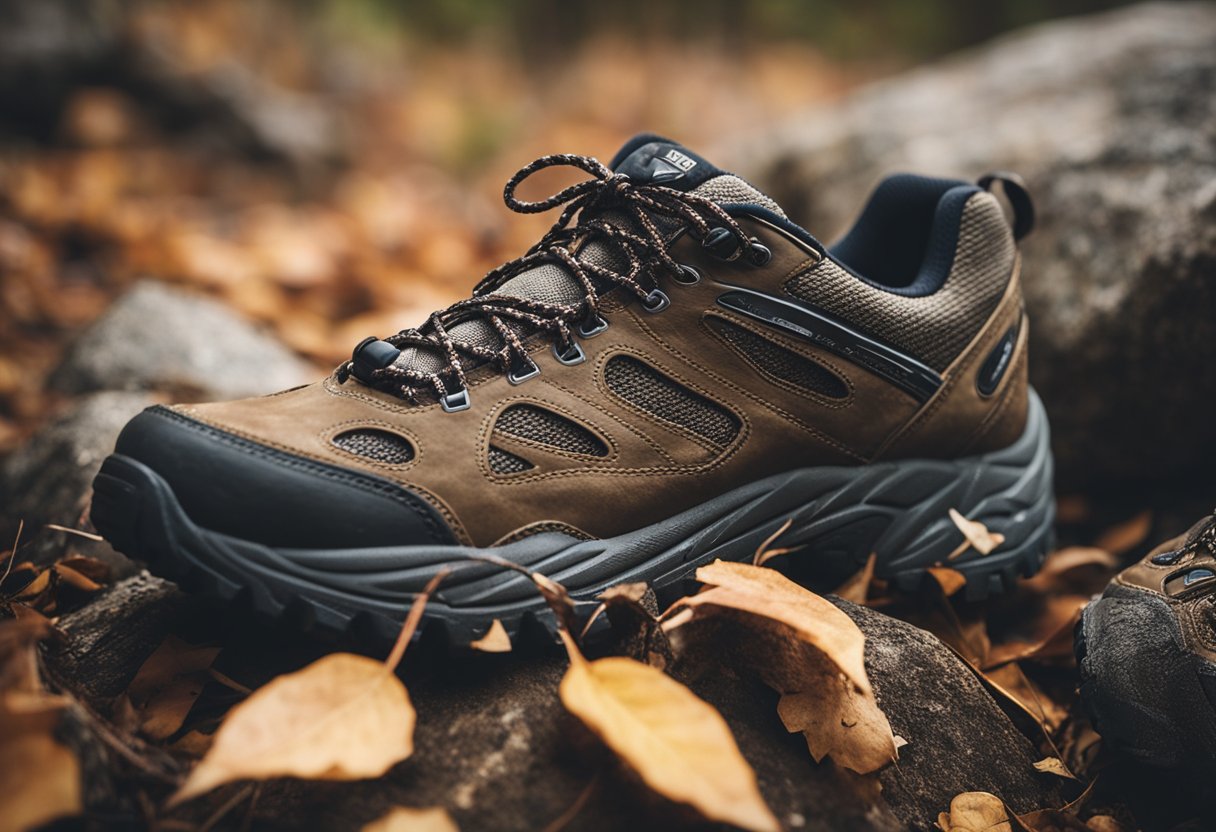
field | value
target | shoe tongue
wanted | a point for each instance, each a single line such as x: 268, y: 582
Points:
x: 650, y: 160
x: 647, y: 160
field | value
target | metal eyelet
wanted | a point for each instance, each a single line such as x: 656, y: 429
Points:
x: 571, y: 355
x: 758, y: 254
x: 656, y: 301
x: 521, y: 373
x: 595, y: 329
x: 722, y: 243
x: 687, y: 276
x: 456, y: 402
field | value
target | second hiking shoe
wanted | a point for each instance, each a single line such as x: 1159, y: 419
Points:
x: 674, y: 373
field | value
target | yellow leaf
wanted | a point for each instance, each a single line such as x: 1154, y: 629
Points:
x: 39, y: 781
x: 950, y: 580
x: 808, y: 650
x: 678, y: 744
x: 857, y: 587
x: 768, y: 593
x: 1054, y: 765
x: 402, y: 819
x: 167, y: 685
x: 344, y: 717
x: 495, y: 640
x: 975, y: 812
x: 977, y: 536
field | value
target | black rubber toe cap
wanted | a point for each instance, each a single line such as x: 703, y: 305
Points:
x: 238, y: 487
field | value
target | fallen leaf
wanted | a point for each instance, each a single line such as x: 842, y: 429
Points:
x: 950, y: 580
x: 809, y: 651
x: 167, y: 685
x: 1104, y: 823
x: 39, y: 778
x: 343, y: 717
x: 976, y: 536
x: 1123, y: 537
x: 769, y: 594
x: 857, y: 587
x: 677, y: 743
x: 495, y: 640
x: 402, y: 819
x: 1054, y: 765
x: 975, y: 812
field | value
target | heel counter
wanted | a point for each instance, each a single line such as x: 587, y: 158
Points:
x: 984, y: 400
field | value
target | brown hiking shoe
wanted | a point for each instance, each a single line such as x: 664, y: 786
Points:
x: 673, y: 373
x: 1146, y: 651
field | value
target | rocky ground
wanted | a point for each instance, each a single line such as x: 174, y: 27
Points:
x: 1111, y: 121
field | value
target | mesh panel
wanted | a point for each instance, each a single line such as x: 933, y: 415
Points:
x: 525, y: 421
x: 504, y: 462
x: 728, y: 188
x: 379, y: 445
x: 937, y: 327
x: 776, y: 361
x: 645, y: 387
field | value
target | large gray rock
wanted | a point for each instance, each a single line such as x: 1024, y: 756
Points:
x: 494, y: 745
x: 156, y: 337
x: 1112, y: 121
x: 49, y: 479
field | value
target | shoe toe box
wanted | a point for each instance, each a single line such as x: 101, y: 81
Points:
x: 233, y: 485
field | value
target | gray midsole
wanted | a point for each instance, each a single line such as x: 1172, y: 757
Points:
x: 898, y: 510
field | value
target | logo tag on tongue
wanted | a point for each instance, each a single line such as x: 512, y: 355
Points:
x: 658, y: 163
x: 681, y: 161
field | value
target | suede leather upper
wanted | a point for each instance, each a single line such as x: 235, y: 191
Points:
x: 277, y: 477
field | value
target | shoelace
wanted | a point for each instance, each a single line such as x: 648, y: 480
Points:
x: 645, y: 253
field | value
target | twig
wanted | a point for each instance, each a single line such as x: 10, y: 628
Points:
x: 13, y: 554
x: 411, y: 620
x: 228, y: 805
x: 77, y: 532
x: 562, y: 820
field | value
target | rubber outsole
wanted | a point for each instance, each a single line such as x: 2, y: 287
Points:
x: 836, y: 517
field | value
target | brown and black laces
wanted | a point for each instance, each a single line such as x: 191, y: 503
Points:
x: 639, y: 241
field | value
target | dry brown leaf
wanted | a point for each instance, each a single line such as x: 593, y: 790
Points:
x: 1104, y: 823
x: 39, y: 778
x: 343, y: 717
x: 808, y: 650
x: 950, y: 580
x: 975, y: 812
x: 677, y: 743
x: 1125, y: 536
x: 857, y: 587
x: 39, y: 781
x: 168, y: 684
x: 1054, y: 765
x: 495, y: 640
x: 769, y: 594
x: 976, y: 536
x: 403, y: 819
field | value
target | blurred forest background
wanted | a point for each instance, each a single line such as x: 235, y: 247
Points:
x: 332, y: 168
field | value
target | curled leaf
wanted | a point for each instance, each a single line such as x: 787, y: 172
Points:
x: 495, y: 640
x: 1054, y: 765
x: 808, y: 650
x: 975, y: 812
x: 976, y: 536
x: 677, y: 743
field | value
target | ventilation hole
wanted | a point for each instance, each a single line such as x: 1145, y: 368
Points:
x: 645, y: 387
x: 379, y: 445
x: 525, y: 421
x: 776, y: 361
x: 503, y: 462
